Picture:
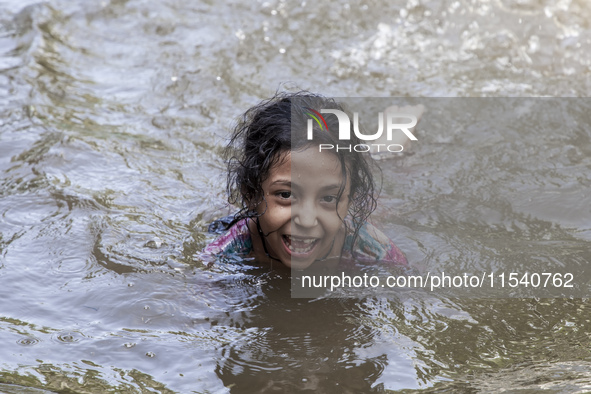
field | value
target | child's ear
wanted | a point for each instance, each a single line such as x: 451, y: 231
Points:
x: 246, y: 198
x: 255, y: 202
x: 251, y: 206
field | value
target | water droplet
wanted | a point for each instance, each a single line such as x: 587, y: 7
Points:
x: 548, y: 12
x: 154, y: 243
x: 173, y: 79
x: 129, y: 345
x: 281, y: 50
x: 534, y: 44
x: 151, y: 354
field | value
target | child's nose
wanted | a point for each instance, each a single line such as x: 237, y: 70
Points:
x: 305, y: 215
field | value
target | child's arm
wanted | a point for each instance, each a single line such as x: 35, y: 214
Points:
x: 372, y: 244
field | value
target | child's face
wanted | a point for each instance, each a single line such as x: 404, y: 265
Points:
x: 301, y: 215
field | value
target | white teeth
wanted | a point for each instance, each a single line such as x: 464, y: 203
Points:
x: 308, y: 242
x: 299, y: 250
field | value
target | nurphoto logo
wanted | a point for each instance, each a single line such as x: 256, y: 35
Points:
x: 394, y: 122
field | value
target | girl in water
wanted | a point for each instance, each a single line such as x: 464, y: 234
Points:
x: 300, y: 205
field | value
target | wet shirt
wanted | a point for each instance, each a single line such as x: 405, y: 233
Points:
x: 370, y: 245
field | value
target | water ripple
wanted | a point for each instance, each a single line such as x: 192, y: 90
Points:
x: 68, y: 337
x: 28, y: 341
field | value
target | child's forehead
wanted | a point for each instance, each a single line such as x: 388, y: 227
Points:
x: 307, y: 162
x: 312, y: 158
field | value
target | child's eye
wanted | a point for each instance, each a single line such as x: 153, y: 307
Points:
x: 284, y: 195
x: 329, y: 199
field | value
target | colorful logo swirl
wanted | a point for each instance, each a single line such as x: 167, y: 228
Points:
x: 317, y: 117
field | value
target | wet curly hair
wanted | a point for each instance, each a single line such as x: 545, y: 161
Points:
x: 264, y: 133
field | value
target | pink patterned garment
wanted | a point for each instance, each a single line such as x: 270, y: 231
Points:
x: 236, y: 240
x: 370, y: 245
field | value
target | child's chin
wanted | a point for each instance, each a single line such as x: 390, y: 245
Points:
x: 298, y: 264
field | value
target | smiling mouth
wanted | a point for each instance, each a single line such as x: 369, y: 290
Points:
x: 299, y: 245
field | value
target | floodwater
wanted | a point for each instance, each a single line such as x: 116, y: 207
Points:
x: 112, y: 119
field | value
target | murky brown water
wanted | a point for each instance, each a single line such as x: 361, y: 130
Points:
x: 112, y: 118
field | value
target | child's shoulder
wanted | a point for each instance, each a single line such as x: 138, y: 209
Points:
x: 236, y: 240
x: 372, y: 245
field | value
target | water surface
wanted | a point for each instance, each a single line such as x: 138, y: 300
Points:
x: 112, y: 119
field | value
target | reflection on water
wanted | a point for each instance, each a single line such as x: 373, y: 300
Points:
x: 303, y: 346
x: 112, y: 118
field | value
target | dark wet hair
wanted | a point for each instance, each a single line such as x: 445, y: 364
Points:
x: 264, y: 133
